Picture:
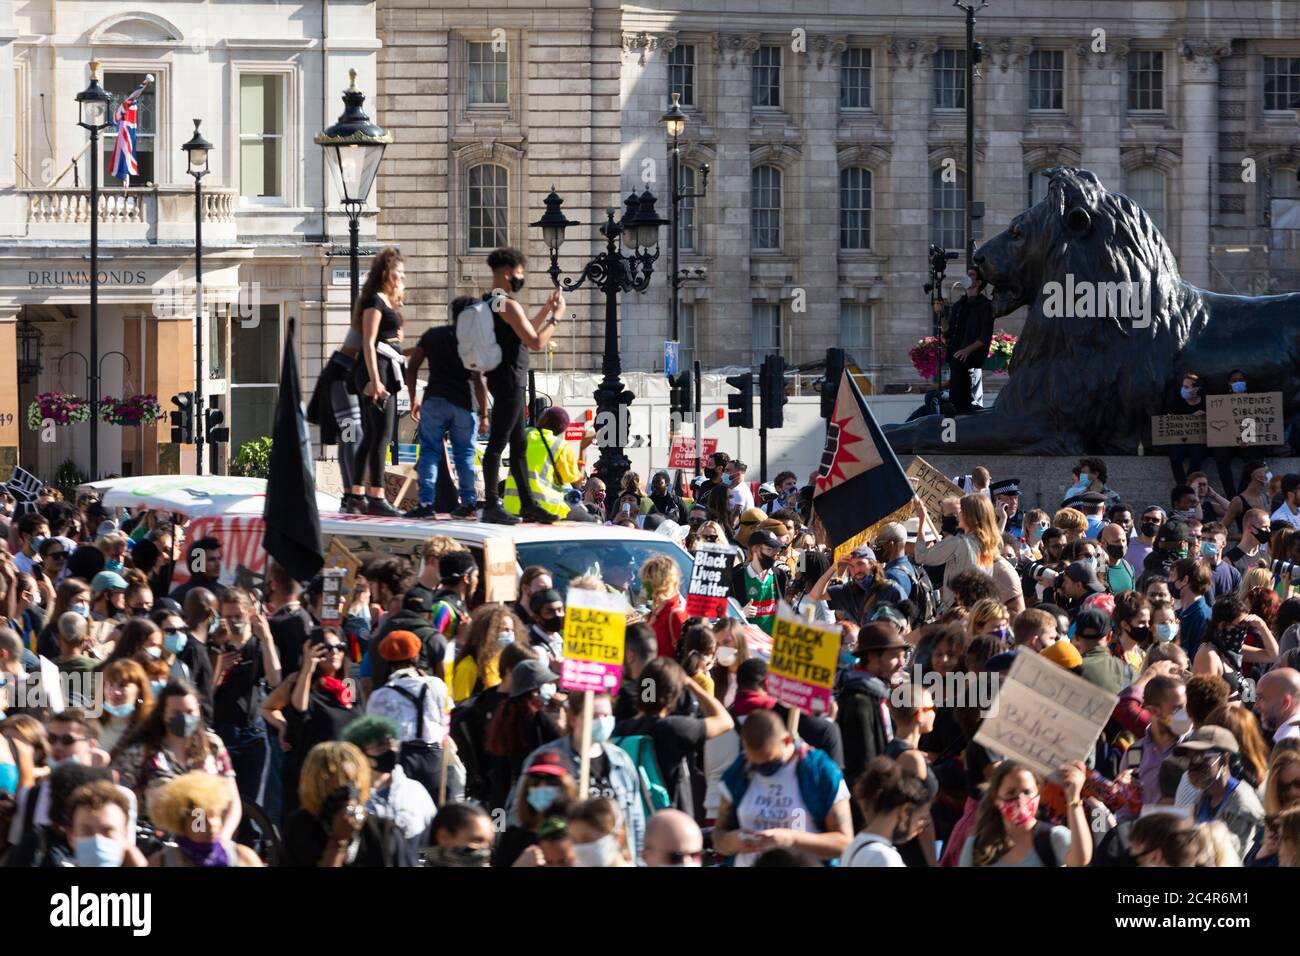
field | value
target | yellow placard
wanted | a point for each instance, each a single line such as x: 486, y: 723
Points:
x: 801, y: 671
x: 594, y: 625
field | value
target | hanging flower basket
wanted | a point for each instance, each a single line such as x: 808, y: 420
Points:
x: 927, y: 356
x: 63, y: 408
x: 999, y: 360
x: 131, y: 411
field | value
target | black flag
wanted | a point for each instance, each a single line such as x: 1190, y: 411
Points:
x: 292, y: 520
x: 860, y: 485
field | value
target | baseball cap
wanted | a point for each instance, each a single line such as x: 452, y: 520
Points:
x: 1090, y: 624
x: 419, y: 600
x: 752, y: 516
x: 1063, y: 653
x: 1084, y: 574
x: 1206, y: 738
x: 107, y: 581
x: 1173, y: 531
x: 864, y: 553
x: 548, y: 764
x: 454, y: 565
x: 763, y: 538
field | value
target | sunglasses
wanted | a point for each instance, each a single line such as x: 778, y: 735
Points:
x: 677, y: 859
x: 332, y: 648
x: 56, y: 555
x: 711, y: 538
x: 1288, y: 785
x: 65, y: 740
x: 173, y: 630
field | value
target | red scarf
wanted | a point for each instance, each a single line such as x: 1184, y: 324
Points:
x: 341, y: 691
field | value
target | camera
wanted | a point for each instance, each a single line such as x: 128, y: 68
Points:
x: 1041, y: 572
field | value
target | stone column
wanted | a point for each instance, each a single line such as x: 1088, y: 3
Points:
x: 1200, y: 121
x: 1001, y: 119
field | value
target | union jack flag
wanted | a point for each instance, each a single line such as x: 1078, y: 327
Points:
x: 123, y: 164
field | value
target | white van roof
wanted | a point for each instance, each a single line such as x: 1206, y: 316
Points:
x: 195, y: 496
x: 476, y: 531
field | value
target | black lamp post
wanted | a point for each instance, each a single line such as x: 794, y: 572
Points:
x: 974, y: 210
x: 353, y: 148
x: 196, y: 153
x: 29, y: 349
x: 612, y: 271
x: 675, y: 123
x: 93, y: 115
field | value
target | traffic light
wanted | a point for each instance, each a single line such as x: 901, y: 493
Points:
x: 835, y: 359
x: 183, y: 419
x: 681, y: 395
x: 213, y: 429
x: 741, y: 405
x: 771, y: 392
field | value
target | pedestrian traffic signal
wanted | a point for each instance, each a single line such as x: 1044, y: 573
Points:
x: 213, y: 429
x: 742, y: 404
x: 771, y: 392
x: 681, y: 395
x: 835, y: 359
x: 183, y: 419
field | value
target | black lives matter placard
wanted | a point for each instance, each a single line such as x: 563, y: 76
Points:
x: 708, y: 591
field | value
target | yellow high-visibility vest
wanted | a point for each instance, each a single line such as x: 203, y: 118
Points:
x: 543, y: 482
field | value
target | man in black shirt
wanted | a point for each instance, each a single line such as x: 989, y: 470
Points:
x: 970, y: 333
x: 517, y: 335
x: 290, y: 623
x: 203, y: 558
x: 448, y: 409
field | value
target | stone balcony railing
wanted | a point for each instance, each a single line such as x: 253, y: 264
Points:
x: 148, y: 214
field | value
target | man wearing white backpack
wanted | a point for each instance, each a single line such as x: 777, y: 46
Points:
x: 494, y: 336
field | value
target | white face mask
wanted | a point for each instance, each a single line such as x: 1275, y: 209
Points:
x: 726, y: 656
x: 602, y: 852
x: 602, y: 728
x: 1180, y: 723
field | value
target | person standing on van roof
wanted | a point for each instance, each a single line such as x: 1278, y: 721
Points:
x: 447, y: 410
x: 516, y: 334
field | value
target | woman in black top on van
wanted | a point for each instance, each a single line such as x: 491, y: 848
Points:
x: 379, y: 375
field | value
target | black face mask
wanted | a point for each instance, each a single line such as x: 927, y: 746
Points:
x: 552, y: 624
x: 766, y: 561
x: 1263, y: 534
x: 516, y: 283
x: 1141, y: 634
x: 1115, y: 551
x: 386, y: 762
x: 948, y: 525
x: 1149, y: 528
x: 458, y: 856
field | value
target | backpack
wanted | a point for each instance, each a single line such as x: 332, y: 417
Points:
x: 1043, y: 844
x: 923, y: 597
x: 476, y: 340
x: 654, y: 793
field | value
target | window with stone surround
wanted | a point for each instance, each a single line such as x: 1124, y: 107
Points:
x: 488, y: 206
x: 488, y: 73
x: 855, y: 208
x: 1146, y: 187
x: 254, y: 373
x: 681, y: 73
x: 948, y: 209
x: 261, y: 135
x: 765, y: 209
x: 950, y: 79
x: 766, y: 330
x: 1281, y: 82
x: 1038, y: 184
x: 686, y: 211
x: 1146, y: 81
x: 1047, y: 80
x: 855, y: 78
x: 856, y: 333
x: 766, y: 78
x: 686, y: 351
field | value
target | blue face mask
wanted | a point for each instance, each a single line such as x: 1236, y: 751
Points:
x: 82, y: 609
x: 1237, y: 387
x: 1209, y: 549
x: 175, y: 643
x: 212, y: 628
x: 99, y: 851
x: 769, y: 769
x: 541, y: 798
x: 37, y: 541
x: 154, y: 651
x: 547, y: 691
x: 602, y: 728
x: 114, y: 566
x: 120, y: 710
x: 1187, y: 393
x: 156, y: 686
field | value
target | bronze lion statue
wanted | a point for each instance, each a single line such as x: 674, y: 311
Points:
x: 1111, y: 328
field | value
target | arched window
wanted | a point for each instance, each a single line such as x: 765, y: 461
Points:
x: 948, y: 208
x: 855, y: 208
x: 765, y: 209
x: 1146, y: 187
x: 488, y: 206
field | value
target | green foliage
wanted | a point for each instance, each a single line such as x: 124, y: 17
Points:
x: 67, y: 478
x: 254, y: 459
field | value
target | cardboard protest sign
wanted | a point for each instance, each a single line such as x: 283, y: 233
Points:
x: 709, y: 589
x: 1044, y: 716
x: 801, y: 670
x: 499, y: 582
x: 333, y: 594
x: 337, y: 555
x: 1249, y: 419
x: 594, y: 622
x: 400, y: 486
x: 1178, y: 429
x: 932, y: 485
x: 681, y: 454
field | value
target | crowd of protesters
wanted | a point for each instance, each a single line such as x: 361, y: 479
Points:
x: 210, y: 725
